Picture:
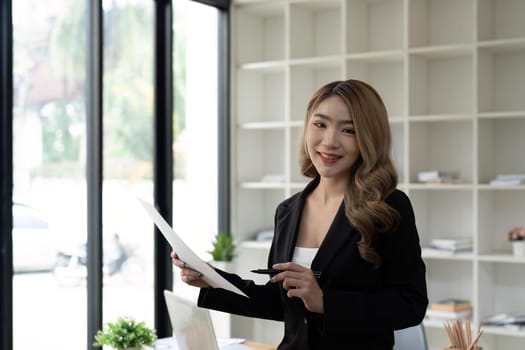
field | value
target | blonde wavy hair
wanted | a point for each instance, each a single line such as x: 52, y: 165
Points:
x: 373, y: 176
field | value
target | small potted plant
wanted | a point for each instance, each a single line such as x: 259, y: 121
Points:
x: 223, y: 251
x: 517, y: 237
x: 223, y: 247
x: 125, y: 333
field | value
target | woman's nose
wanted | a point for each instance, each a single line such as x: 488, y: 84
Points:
x: 330, y: 138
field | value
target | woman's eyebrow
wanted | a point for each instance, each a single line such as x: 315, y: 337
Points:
x: 327, y: 117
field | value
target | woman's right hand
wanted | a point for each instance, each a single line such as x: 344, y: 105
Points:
x: 188, y: 275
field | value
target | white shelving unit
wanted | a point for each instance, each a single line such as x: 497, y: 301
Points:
x: 452, y: 74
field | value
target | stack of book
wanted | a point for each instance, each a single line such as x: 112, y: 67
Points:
x: 507, y: 320
x: 449, y: 246
x: 508, y: 180
x: 438, y: 176
x: 450, y: 309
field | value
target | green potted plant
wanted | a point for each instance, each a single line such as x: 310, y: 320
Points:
x: 125, y: 333
x: 223, y: 247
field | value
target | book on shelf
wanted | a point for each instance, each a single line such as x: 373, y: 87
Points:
x: 508, y: 180
x: 443, y: 252
x: 505, y: 319
x: 437, y: 176
x: 449, y: 315
x: 453, y: 244
x: 497, y: 182
x: 451, y: 304
x: 510, y: 177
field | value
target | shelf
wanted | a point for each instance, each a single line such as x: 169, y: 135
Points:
x: 317, y: 21
x: 264, y: 245
x: 500, y: 19
x: 487, y: 187
x: 262, y: 125
x: 440, y: 187
x: 261, y: 27
x: 446, y: 146
x: 398, y: 150
x: 502, y: 115
x: 498, y: 213
x: 504, y: 331
x: 443, y: 214
x: 263, y: 185
x: 365, y: 23
x: 261, y: 96
x: 305, y: 78
x: 500, y: 289
x: 445, y: 256
x: 502, y: 258
x: 450, y: 278
x: 385, y: 77
x: 441, y: 85
x: 263, y: 150
x: 501, y: 72
x: 501, y: 143
x: 452, y: 76
x: 444, y: 51
x: 427, y: 19
x: 441, y: 118
x: 377, y: 56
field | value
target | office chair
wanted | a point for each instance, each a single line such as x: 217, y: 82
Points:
x: 411, y: 338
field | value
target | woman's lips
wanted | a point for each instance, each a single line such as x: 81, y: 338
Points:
x: 328, y: 158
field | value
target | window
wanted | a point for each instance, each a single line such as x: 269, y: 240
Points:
x: 49, y: 160
x: 49, y: 173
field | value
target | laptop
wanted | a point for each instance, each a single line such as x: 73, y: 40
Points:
x: 192, y: 327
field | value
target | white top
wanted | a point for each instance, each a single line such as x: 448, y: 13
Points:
x: 304, y: 256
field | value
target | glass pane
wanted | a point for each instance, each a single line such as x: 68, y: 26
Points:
x: 195, y: 215
x: 128, y: 154
x: 49, y: 195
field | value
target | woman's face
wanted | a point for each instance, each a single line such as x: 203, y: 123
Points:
x: 330, y: 139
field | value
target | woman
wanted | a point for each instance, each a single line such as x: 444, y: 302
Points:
x: 350, y: 224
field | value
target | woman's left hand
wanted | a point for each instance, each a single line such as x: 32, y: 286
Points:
x: 300, y: 282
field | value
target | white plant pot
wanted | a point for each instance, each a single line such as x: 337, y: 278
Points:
x: 518, y: 248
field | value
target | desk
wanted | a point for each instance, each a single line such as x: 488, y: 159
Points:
x: 259, y: 346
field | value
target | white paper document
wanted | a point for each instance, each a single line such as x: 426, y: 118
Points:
x: 186, y: 254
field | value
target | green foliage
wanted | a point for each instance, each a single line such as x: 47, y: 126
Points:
x: 223, y: 247
x: 125, y: 333
x: 128, y: 74
x: 59, y: 141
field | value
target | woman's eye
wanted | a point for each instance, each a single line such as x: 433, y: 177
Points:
x: 349, y: 131
x: 319, y: 124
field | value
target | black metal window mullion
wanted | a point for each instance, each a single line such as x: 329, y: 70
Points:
x: 163, y: 158
x: 6, y: 175
x: 94, y: 171
x: 224, y: 178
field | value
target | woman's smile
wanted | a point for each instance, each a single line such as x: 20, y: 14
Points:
x: 328, y: 158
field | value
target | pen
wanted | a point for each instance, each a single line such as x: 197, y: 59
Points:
x: 272, y: 272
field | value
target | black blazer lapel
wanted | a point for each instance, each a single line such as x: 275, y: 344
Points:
x: 287, y: 225
x: 340, y: 234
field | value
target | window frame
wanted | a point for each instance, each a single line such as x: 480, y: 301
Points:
x: 163, y: 159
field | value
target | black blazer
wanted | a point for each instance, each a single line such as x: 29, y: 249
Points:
x: 362, y: 306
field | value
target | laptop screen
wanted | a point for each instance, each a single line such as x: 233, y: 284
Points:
x: 192, y: 325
